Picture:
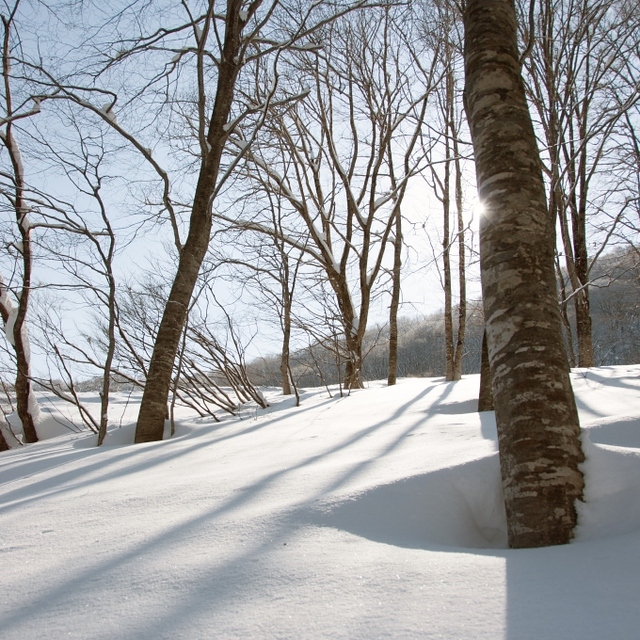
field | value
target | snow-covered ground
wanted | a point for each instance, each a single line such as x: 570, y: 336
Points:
x: 371, y: 516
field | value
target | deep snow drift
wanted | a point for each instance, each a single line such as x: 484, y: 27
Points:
x: 377, y: 515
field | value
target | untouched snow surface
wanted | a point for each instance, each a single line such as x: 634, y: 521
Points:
x: 377, y: 515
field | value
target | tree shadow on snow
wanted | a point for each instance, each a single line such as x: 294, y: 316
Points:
x: 457, y: 507
x: 454, y: 408
x: 621, y: 433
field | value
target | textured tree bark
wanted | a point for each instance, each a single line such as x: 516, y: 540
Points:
x: 286, y: 339
x: 23, y: 377
x: 26, y: 404
x: 153, y: 408
x: 462, y: 266
x: 24, y: 399
x: 454, y: 344
x: 485, y: 397
x: 353, y: 366
x: 462, y: 269
x: 582, y: 303
x: 392, y: 373
x: 352, y: 325
x: 583, y: 330
x: 576, y: 257
x: 446, y: 264
x: 538, y: 429
x: 111, y: 347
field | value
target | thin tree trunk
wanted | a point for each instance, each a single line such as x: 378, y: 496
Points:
x: 284, y: 372
x: 287, y: 290
x: 111, y: 330
x: 462, y: 275
x: 454, y: 345
x: 582, y: 306
x: 485, y: 396
x: 353, y: 366
x: 25, y: 400
x: 446, y: 259
x: 576, y: 257
x: 352, y: 330
x: 561, y: 105
x: 454, y: 340
x: 153, y: 408
x: 536, y: 416
x: 26, y: 404
x: 583, y: 330
x: 106, y: 378
x: 395, y: 301
x: 285, y: 369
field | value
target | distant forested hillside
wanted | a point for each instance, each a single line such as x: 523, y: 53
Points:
x: 615, y: 309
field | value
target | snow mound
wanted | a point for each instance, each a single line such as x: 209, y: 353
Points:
x: 453, y: 408
x: 621, y: 432
x: 612, y: 500
x: 462, y: 506
x: 50, y: 424
x: 457, y: 506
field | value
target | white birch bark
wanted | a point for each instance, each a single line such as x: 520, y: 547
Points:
x: 536, y: 416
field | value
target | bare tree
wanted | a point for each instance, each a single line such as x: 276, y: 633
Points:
x: 213, y: 134
x: 177, y: 59
x: 445, y: 178
x: 234, y: 50
x: 80, y: 243
x: 536, y: 416
x: 210, y: 372
x: 14, y: 192
x: 342, y: 158
x: 579, y: 82
x: 264, y: 268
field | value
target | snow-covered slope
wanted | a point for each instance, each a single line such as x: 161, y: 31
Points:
x: 377, y: 515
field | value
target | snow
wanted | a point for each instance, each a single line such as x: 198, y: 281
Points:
x: 376, y: 515
x: 33, y: 407
x: 11, y: 319
x: 321, y: 237
x: 381, y: 200
x: 107, y: 109
x: 25, y: 222
x: 9, y: 328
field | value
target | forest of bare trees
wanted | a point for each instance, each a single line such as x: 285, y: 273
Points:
x: 182, y: 180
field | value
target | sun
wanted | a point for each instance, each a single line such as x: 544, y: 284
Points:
x: 478, y: 209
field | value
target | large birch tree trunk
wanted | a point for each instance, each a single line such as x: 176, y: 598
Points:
x: 537, y: 420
